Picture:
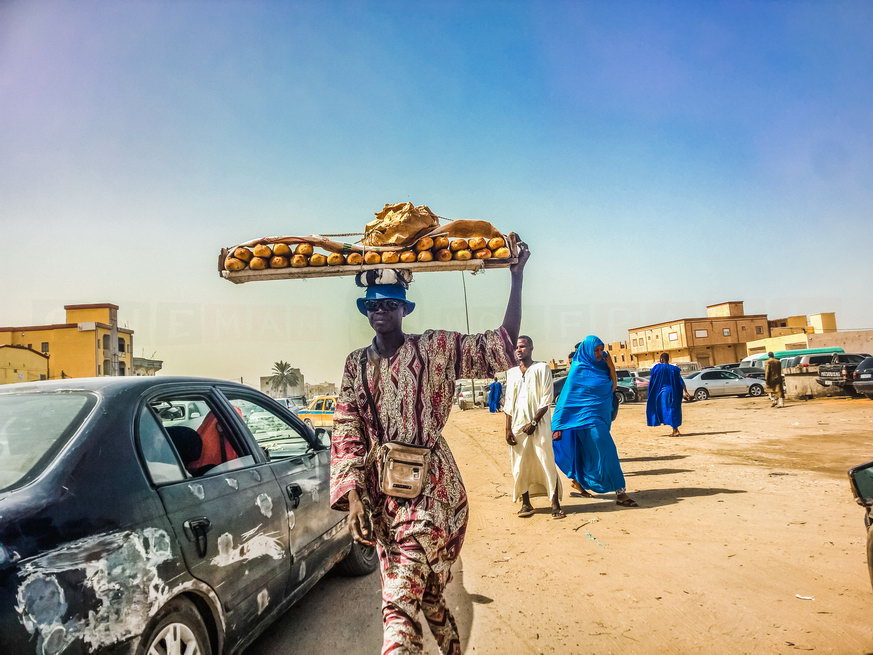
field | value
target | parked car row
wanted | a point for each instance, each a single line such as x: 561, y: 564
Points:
x: 158, y: 515
x: 839, y: 372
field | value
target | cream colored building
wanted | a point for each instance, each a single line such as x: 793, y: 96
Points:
x: 720, y: 337
x: 793, y: 333
x: 621, y: 354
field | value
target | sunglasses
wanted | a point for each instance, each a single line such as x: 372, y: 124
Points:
x: 386, y: 305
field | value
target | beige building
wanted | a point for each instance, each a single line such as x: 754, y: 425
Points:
x: 718, y: 338
x: 146, y: 366
x: 794, y: 333
x: 621, y: 354
x: 89, y: 344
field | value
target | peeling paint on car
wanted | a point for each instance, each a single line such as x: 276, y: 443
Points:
x: 263, y: 600
x: 261, y: 545
x: 233, y: 483
x: 265, y: 504
x: 197, y: 490
x: 292, y: 520
x: 120, y: 569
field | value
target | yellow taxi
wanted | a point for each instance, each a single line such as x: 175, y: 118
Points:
x: 319, y: 413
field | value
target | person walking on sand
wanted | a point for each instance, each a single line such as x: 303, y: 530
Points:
x: 666, y: 388
x: 528, y: 409
x: 774, y: 381
x: 583, y: 445
x: 495, y: 391
x: 398, y: 392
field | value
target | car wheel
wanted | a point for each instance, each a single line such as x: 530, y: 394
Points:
x: 756, y: 390
x: 619, y: 398
x: 175, y: 630
x: 701, y: 394
x: 869, y: 395
x: 361, y: 560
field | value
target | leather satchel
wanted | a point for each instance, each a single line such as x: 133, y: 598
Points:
x: 402, y: 468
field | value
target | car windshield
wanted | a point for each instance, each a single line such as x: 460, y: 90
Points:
x: 691, y: 375
x: 33, y: 428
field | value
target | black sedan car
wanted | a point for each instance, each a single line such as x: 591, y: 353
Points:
x: 158, y: 515
x: 862, y: 378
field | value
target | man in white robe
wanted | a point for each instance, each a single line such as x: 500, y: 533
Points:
x: 528, y: 408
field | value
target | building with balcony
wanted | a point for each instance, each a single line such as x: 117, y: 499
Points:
x: 90, y: 343
x: 720, y: 337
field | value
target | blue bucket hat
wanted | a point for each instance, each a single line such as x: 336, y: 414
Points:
x: 387, y: 292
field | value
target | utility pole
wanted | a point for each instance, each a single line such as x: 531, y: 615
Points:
x: 467, y: 316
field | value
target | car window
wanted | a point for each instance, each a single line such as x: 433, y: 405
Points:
x: 711, y: 375
x: 865, y: 364
x: 328, y: 405
x: 199, y: 434
x: 727, y: 375
x: 319, y: 405
x: 691, y: 376
x: 33, y: 428
x: 820, y: 359
x: 272, y: 432
x: 850, y: 359
x: 161, y: 460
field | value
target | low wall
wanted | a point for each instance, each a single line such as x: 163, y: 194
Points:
x: 804, y: 387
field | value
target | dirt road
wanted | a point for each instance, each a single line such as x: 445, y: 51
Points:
x: 747, y: 511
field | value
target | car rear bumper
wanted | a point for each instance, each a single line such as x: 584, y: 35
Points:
x: 863, y: 386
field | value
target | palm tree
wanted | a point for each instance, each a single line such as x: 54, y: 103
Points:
x: 283, y: 377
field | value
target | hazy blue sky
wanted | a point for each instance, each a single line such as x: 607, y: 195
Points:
x: 658, y: 157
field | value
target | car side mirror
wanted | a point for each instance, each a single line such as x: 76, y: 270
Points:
x: 324, y: 438
x: 862, y: 483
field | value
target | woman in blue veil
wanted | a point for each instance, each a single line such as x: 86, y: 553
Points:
x: 583, y: 445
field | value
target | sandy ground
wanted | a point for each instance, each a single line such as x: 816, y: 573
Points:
x: 748, y: 510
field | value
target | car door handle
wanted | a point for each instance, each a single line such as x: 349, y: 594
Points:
x: 294, y: 493
x: 196, y: 530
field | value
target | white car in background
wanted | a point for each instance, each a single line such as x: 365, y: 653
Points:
x: 717, y: 382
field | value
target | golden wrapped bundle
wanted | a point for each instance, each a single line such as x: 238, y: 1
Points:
x: 304, y: 249
x: 482, y: 253
x: 502, y: 253
x: 335, y: 259
x: 372, y: 258
x: 390, y: 257
x: 299, y: 261
x: 425, y: 256
x: 243, y: 253
x: 354, y: 259
x: 458, y: 244
x: 444, y: 255
x: 318, y: 259
x: 234, y: 264
x: 263, y: 251
x: 282, y: 250
x: 258, y: 264
x: 477, y: 243
x: 278, y: 261
x: 407, y: 257
x: 463, y: 255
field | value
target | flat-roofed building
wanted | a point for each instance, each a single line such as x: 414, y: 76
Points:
x: 22, y: 364
x: 720, y: 337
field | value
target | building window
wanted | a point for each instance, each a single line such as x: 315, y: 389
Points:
x: 120, y: 345
x: 635, y: 342
x: 105, y: 342
x: 107, y: 367
x: 41, y: 376
x: 30, y: 346
x: 673, y: 336
x: 759, y: 329
x: 121, y: 369
x: 726, y: 332
x: 44, y: 347
x: 702, y: 334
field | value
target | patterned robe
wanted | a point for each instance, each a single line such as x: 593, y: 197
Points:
x: 417, y: 539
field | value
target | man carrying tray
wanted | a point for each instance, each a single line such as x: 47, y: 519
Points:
x: 399, y: 391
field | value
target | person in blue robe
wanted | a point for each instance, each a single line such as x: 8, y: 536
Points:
x: 666, y: 388
x: 495, y: 390
x: 581, y: 438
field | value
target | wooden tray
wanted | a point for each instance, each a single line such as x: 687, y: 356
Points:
x: 472, y: 265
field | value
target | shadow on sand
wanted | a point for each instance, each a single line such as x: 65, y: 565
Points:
x: 645, y: 497
x: 657, y: 472
x: 344, y: 615
x: 658, y: 458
